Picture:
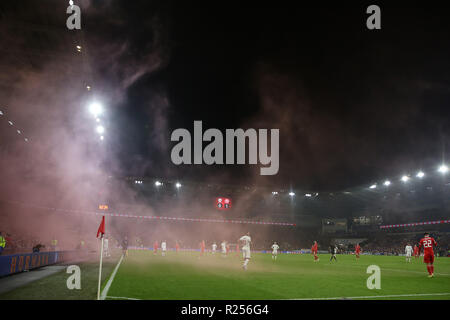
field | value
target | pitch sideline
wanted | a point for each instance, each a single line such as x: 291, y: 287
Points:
x: 340, y: 298
x: 108, y: 284
x: 385, y: 296
x: 122, y: 298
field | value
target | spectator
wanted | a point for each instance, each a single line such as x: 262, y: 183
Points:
x: 2, y: 243
x: 37, y: 248
x: 54, y: 244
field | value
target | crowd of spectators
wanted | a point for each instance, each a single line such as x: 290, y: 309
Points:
x: 23, y: 243
x: 394, y: 244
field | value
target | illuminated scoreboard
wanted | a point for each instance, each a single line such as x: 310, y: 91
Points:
x: 223, y: 203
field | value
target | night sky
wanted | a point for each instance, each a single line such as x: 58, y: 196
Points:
x: 353, y: 105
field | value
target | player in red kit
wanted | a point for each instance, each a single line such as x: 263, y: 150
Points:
x: 237, y: 249
x: 314, y: 251
x: 357, y: 250
x: 416, y: 251
x: 177, y: 247
x: 428, y: 254
x: 155, y: 247
x: 202, y: 247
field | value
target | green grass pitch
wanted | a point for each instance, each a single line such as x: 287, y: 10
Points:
x: 187, y: 275
x: 143, y: 275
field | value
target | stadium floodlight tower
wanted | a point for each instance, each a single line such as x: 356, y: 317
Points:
x: 420, y: 174
x: 96, y: 109
x: 405, y: 178
x: 291, y: 194
x: 387, y: 183
x: 443, y: 169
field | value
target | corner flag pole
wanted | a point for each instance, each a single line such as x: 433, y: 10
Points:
x: 101, y: 259
x: 100, y: 271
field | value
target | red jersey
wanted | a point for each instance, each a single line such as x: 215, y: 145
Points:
x: 177, y: 246
x: 314, y: 248
x: 202, y: 246
x: 427, y: 244
x: 155, y: 246
x: 358, y: 249
x: 416, y: 250
x: 237, y: 247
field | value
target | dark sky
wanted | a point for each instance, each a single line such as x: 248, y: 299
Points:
x: 352, y: 105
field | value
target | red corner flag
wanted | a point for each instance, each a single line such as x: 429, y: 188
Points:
x: 101, y: 228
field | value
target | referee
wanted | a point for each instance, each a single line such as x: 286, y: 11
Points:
x: 333, y: 253
x: 125, y: 246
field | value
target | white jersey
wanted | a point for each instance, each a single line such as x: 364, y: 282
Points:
x: 105, y: 244
x: 214, y: 247
x: 275, y: 248
x: 246, y: 247
x: 163, y: 246
x: 246, y: 240
x: 224, y: 247
x: 408, y: 250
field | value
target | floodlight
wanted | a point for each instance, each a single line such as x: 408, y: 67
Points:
x: 291, y: 194
x: 387, y: 183
x: 308, y: 195
x: 405, y: 178
x: 373, y: 186
x: 95, y: 108
x: 178, y: 185
x: 100, y: 129
x: 420, y: 174
x: 443, y: 169
x: 157, y: 183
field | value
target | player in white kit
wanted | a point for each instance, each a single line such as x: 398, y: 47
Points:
x: 275, y: 248
x: 408, y: 251
x: 163, y: 248
x: 246, y: 249
x: 214, y: 247
x: 223, y: 245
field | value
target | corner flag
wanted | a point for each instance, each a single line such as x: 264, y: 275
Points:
x: 101, y: 228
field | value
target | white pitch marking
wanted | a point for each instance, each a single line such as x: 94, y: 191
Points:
x: 108, y: 284
x: 386, y: 296
x: 125, y: 298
